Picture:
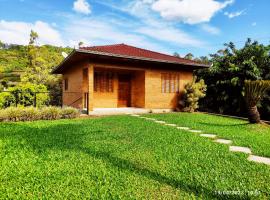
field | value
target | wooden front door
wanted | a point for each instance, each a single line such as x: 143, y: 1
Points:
x: 124, y: 87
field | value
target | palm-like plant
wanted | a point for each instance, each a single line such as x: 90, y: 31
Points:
x: 253, y: 93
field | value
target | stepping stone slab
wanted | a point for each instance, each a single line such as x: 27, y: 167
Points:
x: 208, y: 135
x: 160, y: 122
x: 135, y: 115
x: 183, y: 128
x: 195, y: 131
x: 240, y: 149
x: 259, y: 159
x: 170, y: 124
x: 223, y: 141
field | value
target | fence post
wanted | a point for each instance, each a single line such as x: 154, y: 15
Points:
x: 16, y: 99
x: 35, y: 99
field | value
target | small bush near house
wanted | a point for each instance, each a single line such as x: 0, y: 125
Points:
x: 192, y: 93
x: 50, y: 113
x: 69, y: 113
x: 13, y: 114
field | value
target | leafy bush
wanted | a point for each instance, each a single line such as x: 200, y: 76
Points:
x: 192, y: 93
x: 15, y: 114
x: 69, y: 113
x: 50, y: 113
x: 30, y: 114
x: 12, y: 114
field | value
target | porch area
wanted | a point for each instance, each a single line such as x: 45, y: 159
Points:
x: 106, y: 88
x: 121, y: 111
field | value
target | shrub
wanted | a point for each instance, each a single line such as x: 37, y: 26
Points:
x: 253, y: 93
x: 30, y: 114
x: 69, y: 113
x: 192, y: 93
x: 15, y: 114
x: 50, y: 113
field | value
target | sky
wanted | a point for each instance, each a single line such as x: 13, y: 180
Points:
x: 199, y: 27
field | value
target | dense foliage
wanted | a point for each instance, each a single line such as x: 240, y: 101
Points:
x: 193, y: 92
x: 253, y: 93
x: 25, y: 94
x: 225, y: 79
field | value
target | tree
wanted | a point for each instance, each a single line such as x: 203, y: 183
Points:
x: 176, y: 55
x: 189, y: 56
x: 80, y: 44
x: 192, y: 93
x: 253, y: 93
x: 225, y: 79
x: 2, y: 45
x: 38, y: 70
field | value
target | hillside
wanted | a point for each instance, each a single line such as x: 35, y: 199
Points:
x: 13, y: 60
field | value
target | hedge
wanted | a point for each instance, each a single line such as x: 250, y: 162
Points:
x: 15, y: 114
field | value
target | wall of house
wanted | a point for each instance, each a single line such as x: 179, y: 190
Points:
x: 73, y: 96
x: 145, y: 88
x: 154, y: 98
x: 108, y: 99
x: 138, y: 89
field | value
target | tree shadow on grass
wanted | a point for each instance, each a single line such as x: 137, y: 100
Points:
x: 224, y: 125
x: 61, y: 137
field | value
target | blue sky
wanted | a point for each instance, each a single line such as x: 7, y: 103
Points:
x: 183, y: 26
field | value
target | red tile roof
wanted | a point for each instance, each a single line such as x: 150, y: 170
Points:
x: 126, y: 50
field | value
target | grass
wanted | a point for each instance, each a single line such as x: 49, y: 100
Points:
x: 124, y: 157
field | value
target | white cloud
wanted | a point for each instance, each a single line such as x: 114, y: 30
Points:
x: 234, y: 14
x: 254, y: 24
x: 189, y: 11
x: 16, y: 32
x: 82, y: 6
x: 102, y: 32
x: 210, y: 29
x: 171, y: 35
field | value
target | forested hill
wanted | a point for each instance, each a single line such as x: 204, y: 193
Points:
x: 14, y: 60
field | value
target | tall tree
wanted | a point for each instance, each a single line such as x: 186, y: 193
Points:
x: 225, y: 79
x: 189, y: 56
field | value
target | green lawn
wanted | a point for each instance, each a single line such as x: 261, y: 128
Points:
x: 123, y: 157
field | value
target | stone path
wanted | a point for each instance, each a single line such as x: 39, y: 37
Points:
x: 240, y: 149
x: 246, y: 150
x: 259, y: 159
x: 208, y: 135
x: 223, y: 141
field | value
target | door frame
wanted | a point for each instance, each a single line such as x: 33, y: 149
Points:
x: 126, y: 78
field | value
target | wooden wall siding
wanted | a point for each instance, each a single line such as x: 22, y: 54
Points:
x: 154, y: 98
x: 75, y: 79
x: 146, y: 89
x: 138, y: 89
x: 107, y: 99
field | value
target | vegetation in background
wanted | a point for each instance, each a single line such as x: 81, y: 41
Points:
x: 22, y: 65
x: 225, y: 79
x: 122, y: 157
x: 16, y: 114
x: 253, y: 93
x: 193, y: 92
x: 25, y: 94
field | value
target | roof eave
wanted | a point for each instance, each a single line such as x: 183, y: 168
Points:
x: 139, y: 58
x: 56, y: 70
